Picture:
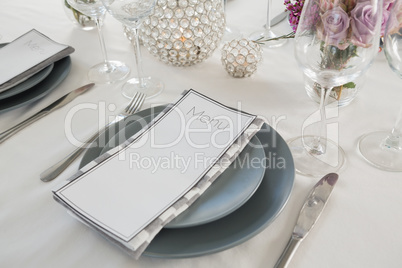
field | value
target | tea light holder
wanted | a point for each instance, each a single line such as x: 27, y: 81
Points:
x: 183, y: 32
x: 240, y: 57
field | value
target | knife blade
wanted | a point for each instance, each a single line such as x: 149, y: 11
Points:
x: 278, y: 18
x: 308, y: 216
x: 53, y: 106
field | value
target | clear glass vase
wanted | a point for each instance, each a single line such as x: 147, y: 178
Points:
x: 343, y: 94
x: 80, y: 20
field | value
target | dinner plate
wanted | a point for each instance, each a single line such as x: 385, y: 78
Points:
x: 60, y: 70
x: 231, y: 190
x: 237, y: 227
x: 28, y: 83
x: 244, y: 223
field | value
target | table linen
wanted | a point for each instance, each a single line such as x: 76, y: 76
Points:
x: 359, y: 227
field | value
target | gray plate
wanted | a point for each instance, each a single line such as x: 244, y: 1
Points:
x: 27, y: 84
x: 60, y: 71
x: 233, y: 188
x: 247, y: 221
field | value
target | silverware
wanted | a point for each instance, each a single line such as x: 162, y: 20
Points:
x: 309, y: 213
x: 53, y: 106
x: 55, y: 170
x: 277, y: 19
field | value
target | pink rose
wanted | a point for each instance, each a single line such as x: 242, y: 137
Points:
x: 363, y: 21
x: 385, y: 17
x: 326, y: 5
x: 334, y: 28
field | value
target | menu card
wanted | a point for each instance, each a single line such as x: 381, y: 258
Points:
x: 124, y: 192
x: 26, y: 56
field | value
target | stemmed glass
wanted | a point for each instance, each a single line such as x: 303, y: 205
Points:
x: 335, y: 43
x: 106, y: 71
x: 267, y: 33
x: 383, y: 149
x: 132, y: 13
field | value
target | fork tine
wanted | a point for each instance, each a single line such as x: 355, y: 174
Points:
x: 140, y: 97
x: 140, y: 102
x: 137, y: 104
x: 130, y: 106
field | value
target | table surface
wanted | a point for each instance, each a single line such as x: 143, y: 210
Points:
x: 359, y: 227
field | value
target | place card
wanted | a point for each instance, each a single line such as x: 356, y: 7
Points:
x: 122, y: 193
x: 26, y: 56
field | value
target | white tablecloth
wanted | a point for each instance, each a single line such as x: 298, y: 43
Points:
x: 360, y: 227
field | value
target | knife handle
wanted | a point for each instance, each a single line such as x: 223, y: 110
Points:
x: 8, y: 133
x: 288, y: 252
x: 55, y: 170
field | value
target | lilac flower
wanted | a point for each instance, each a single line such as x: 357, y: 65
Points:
x: 294, y: 12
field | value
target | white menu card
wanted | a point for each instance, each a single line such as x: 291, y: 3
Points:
x: 26, y: 52
x: 132, y: 187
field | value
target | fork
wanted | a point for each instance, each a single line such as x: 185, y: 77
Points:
x: 55, y: 170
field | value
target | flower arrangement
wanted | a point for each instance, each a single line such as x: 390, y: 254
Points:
x: 343, y: 26
x: 295, y: 9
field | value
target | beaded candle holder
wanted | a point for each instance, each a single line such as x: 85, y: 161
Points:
x: 183, y: 32
x: 240, y: 57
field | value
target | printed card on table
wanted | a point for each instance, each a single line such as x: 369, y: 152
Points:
x: 136, y: 184
x: 26, y: 52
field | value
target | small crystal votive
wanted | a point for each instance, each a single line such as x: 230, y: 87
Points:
x: 240, y: 57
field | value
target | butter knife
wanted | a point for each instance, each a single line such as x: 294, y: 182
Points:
x: 53, y: 106
x: 309, y: 213
x: 278, y: 18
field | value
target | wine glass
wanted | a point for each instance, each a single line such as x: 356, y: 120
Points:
x: 335, y: 43
x: 267, y: 33
x: 383, y: 149
x: 132, y: 13
x: 106, y: 71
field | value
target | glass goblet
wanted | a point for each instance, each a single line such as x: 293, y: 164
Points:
x: 132, y: 13
x: 383, y: 149
x: 106, y: 71
x: 335, y: 43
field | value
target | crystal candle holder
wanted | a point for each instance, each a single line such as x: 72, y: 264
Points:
x: 241, y: 57
x: 183, y: 32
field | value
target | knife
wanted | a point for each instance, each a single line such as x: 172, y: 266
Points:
x: 277, y: 19
x: 309, y: 213
x: 53, y: 106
